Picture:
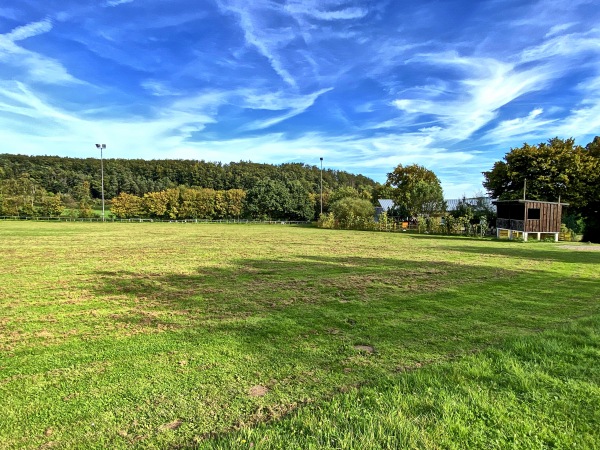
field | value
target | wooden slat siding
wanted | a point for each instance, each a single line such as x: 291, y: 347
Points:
x: 550, y: 218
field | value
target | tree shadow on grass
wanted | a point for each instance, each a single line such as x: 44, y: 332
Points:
x: 385, y: 302
x: 191, y: 348
x: 299, y: 327
x: 505, y: 248
x: 522, y: 251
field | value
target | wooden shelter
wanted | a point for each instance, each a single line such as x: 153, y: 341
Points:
x: 525, y: 217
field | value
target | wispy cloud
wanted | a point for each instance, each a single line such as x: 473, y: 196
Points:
x: 325, y: 10
x: 558, y: 29
x: 294, y: 105
x: 468, y: 104
x: 118, y: 2
x: 266, y: 43
x: 34, y: 66
x: 568, y: 45
x: 532, y: 125
x: 29, y: 30
x: 584, y: 118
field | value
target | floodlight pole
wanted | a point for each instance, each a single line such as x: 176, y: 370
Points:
x: 321, y: 185
x: 101, y: 147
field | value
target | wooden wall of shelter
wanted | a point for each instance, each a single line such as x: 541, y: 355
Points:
x: 550, y: 217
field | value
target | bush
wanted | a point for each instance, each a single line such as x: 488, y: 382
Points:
x: 326, y: 221
x: 354, y: 213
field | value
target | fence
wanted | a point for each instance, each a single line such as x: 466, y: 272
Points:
x: 140, y: 220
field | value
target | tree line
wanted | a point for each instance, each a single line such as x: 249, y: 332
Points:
x: 175, y: 189
x: 62, y: 175
x: 267, y: 199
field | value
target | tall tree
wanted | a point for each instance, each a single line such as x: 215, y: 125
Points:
x: 417, y: 189
x: 553, y: 170
x: 558, y: 168
x: 52, y: 205
x: 301, y: 205
x: 267, y: 199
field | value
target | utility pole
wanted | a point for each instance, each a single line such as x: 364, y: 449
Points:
x: 101, y: 147
x: 321, y: 185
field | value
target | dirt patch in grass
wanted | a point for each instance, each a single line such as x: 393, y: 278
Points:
x: 258, y: 391
x: 171, y: 425
x: 584, y: 247
x: 364, y: 348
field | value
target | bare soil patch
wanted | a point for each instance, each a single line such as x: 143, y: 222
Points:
x: 258, y: 391
x: 364, y: 348
x: 172, y: 425
x: 584, y: 247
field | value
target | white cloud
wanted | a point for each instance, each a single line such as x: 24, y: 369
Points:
x: 35, y: 66
x: 295, y: 105
x: 583, y: 120
x: 159, y: 89
x: 473, y: 101
x: 533, y: 125
x: 564, y: 46
x: 29, y: 30
x: 319, y: 11
x: 558, y: 29
x: 536, y: 112
x: 266, y: 41
x: 118, y: 2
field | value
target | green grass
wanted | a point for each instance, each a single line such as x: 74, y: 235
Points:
x: 157, y: 335
x: 539, y: 391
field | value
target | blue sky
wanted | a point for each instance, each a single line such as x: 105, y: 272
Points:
x: 451, y: 85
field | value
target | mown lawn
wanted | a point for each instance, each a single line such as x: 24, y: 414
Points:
x: 182, y: 335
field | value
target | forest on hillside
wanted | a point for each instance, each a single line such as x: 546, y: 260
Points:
x: 61, y: 175
x: 50, y: 186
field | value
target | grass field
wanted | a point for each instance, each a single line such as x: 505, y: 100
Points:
x: 182, y: 336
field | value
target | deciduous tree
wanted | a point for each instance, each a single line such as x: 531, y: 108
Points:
x: 125, y: 206
x: 558, y: 168
x: 553, y: 170
x: 416, y: 188
x: 348, y: 210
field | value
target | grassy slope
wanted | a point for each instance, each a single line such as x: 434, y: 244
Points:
x: 154, y: 334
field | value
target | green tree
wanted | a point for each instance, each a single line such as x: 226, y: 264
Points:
x: 20, y: 196
x: 382, y: 191
x: 82, y: 193
x: 300, y: 206
x: 125, y: 206
x: 416, y: 188
x: 52, y: 205
x: 343, y: 192
x: 267, y: 199
x: 349, y: 211
x: 235, y: 202
x: 591, y: 211
x: 553, y: 170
